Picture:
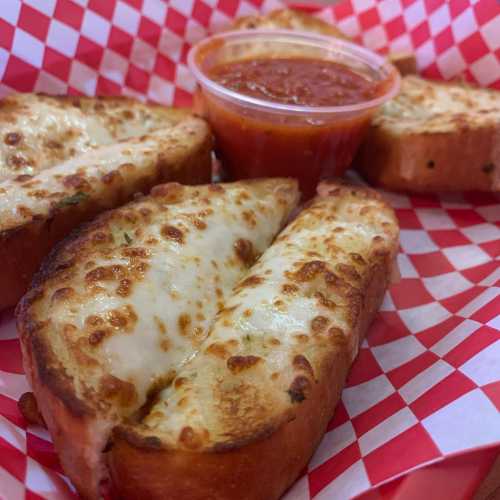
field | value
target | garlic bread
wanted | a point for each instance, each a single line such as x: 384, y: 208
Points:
x: 40, y: 131
x: 434, y: 137
x: 242, y: 418
x: 119, y: 307
x: 37, y: 211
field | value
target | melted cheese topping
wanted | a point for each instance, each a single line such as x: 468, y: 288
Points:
x: 427, y: 106
x: 288, y: 19
x: 37, y: 132
x: 148, y: 280
x: 299, y: 304
x: 91, y: 177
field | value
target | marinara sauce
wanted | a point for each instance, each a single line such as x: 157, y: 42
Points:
x: 299, y: 81
x: 309, y: 147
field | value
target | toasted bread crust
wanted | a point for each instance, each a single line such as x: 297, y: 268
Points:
x: 24, y: 242
x: 434, y: 137
x: 66, y: 416
x: 405, y: 62
x: 63, y: 421
x: 465, y: 160
x: 29, y: 409
x: 227, y: 462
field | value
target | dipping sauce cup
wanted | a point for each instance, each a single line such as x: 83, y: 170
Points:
x: 266, y: 95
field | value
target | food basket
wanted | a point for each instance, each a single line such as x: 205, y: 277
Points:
x: 426, y: 384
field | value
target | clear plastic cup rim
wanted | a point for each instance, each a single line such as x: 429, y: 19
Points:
x: 351, y: 50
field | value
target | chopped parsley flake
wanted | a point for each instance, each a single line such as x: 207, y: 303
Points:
x: 74, y: 199
x: 128, y: 239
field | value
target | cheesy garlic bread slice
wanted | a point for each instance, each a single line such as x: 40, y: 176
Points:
x: 434, y: 136
x: 243, y: 417
x: 36, y: 211
x: 123, y: 304
x: 40, y: 131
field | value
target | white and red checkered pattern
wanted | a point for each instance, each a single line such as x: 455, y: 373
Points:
x: 427, y: 380
x: 132, y: 47
x: 454, y: 38
x: 426, y: 383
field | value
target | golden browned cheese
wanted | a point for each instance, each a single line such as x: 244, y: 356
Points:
x: 288, y: 19
x: 119, y: 307
x: 256, y: 398
x: 39, y: 131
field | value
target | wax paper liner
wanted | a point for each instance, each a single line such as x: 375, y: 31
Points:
x: 427, y: 381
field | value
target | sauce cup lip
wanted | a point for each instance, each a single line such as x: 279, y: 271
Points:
x: 349, y: 49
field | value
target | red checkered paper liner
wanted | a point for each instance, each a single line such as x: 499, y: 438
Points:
x: 426, y: 383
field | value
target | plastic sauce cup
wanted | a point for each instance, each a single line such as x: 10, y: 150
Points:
x: 262, y: 138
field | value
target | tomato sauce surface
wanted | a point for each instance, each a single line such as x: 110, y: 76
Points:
x: 296, y: 81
